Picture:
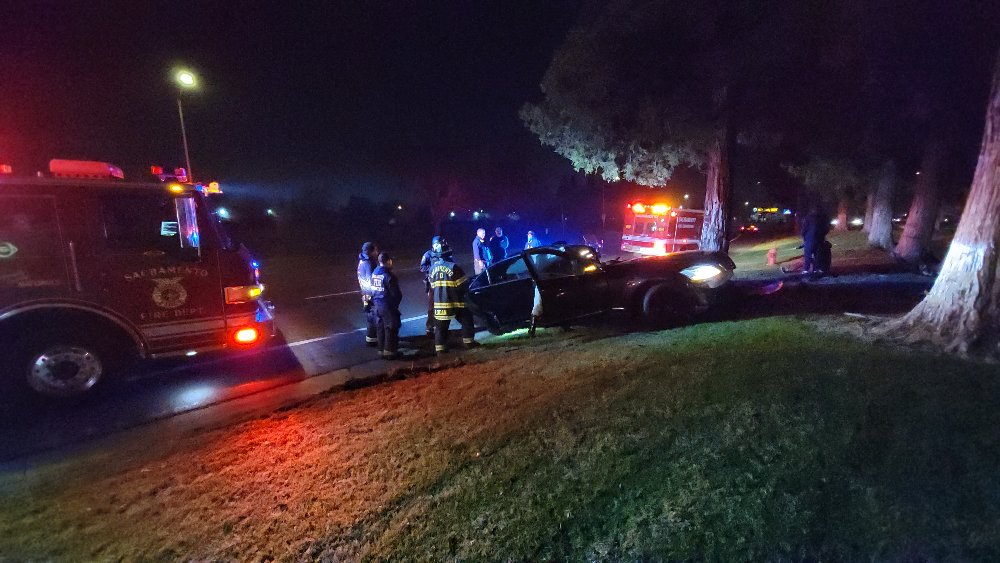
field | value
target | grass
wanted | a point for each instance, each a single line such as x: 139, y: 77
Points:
x: 763, y: 439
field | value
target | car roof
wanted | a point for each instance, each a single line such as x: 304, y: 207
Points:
x: 562, y: 248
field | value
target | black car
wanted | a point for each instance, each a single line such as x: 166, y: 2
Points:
x: 573, y: 283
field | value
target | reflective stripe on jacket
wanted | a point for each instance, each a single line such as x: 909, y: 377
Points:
x: 448, y: 285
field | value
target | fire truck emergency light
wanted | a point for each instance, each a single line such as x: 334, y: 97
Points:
x: 638, y: 208
x: 6, y: 169
x: 84, y: 169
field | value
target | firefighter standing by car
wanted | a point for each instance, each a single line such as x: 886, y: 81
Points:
x: 449, y: 285
x: 386, y: 297
x: 425, y: 268
x: 366, y: 265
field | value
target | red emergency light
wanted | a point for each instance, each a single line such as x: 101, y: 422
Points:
x: 640, y: 208
x: 6, y: 169
x: 90, y: 169
x: 156, y: 170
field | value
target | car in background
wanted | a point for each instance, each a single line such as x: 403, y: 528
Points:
x: 573, y: 284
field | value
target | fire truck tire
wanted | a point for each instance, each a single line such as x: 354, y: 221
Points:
x: 57, y: 365
x: 666, y: 305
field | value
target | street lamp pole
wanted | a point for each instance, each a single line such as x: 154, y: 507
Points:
x: 184, y: 138
x: 186, y: 80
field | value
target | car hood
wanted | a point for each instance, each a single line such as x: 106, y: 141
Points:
x: 671, y: 263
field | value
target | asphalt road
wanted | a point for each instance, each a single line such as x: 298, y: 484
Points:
x: 321, y: 329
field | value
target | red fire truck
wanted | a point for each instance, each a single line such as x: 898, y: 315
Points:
x: 96, y: 272
x: 657, y: 229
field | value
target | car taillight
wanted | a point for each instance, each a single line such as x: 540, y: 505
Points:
x: 247, y: 335
x: 243, y: 293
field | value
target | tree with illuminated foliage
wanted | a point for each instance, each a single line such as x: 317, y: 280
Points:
x: 639, y: 88
x: 961, y: 313
x: 831, y: 178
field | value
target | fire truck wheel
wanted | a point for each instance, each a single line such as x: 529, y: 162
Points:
x: 666, y: 305
x: 62, y: 366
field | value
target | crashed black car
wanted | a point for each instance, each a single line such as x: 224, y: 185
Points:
x: 573, y: 283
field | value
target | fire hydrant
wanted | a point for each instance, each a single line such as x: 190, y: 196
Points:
x: 772, y: 257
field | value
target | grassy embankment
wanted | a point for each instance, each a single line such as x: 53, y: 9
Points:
x: 762, y: 439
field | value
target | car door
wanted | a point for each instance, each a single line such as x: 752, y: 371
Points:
x: 155, y: 271
x: 504, y: 292
x: 571, y: 286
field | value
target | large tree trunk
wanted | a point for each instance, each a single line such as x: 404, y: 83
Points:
x: 843, y: 205
x: 717, y: 188
x: 962, y: 311
x: 923, y: 212
x: 869, y: 210
x: 880, y: 223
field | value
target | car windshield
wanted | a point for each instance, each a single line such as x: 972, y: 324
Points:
x: 226, y: 239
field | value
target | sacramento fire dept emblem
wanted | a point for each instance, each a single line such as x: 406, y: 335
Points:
x: 169, y: 293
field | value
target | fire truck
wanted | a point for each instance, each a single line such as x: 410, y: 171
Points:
x: 96, y: 272
x: 657, y: 229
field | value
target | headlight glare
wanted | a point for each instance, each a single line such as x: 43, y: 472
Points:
x: 702, y: 272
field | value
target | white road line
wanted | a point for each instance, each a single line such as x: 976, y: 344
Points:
x: 335, y: 335
x: 334, y: 294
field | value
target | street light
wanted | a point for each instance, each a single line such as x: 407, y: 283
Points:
x: 186, y: 80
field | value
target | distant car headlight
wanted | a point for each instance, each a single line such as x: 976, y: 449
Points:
x: 702, y: 273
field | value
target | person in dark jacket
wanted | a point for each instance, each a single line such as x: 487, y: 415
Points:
x: 449, y: 285
x: 480, y: 252
x: 386, y: 297
x: 366, y: 265
x: 498, y: 246
x: 425, y: 268
x: 815, y: 227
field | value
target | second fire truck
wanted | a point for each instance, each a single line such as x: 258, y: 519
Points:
x: 657, y: 229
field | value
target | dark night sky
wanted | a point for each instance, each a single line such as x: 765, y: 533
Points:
x: 357, y: 97
x: 318, y: 90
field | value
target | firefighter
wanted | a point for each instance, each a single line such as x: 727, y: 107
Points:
x: 425, y: 267
x: 366, y: 265
x: 386, y: 297
x: 815, y: 252
x: 449, y: 284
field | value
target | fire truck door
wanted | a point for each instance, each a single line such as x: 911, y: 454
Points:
x: 32, y: 261
x: 157, y: 272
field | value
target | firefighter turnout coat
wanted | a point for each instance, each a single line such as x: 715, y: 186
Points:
x: 448, y: 284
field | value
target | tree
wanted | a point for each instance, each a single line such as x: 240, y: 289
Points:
x: 444, y: 196
x: 830, y: 179
x: 639, y: 88
x: 879, y: 221
x: 921, y: 217
x: 961, y: 313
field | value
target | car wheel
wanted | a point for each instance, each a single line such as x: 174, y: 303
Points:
x: 60, y: 366
x: 666, y: 305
